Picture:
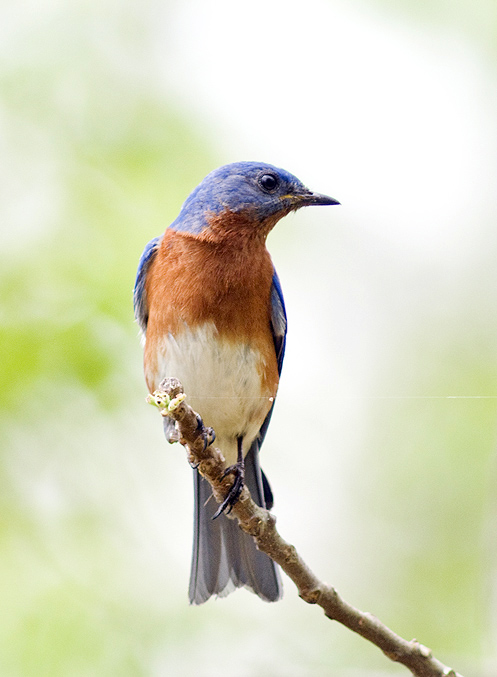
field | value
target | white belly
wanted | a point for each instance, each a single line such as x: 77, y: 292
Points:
x: 222, y: 382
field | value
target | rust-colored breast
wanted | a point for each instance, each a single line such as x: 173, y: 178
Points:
x: 222, y: 276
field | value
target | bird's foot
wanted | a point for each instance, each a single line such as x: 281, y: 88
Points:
x: 238, y: 470
x: 208, y: 435
x: 170, y: 429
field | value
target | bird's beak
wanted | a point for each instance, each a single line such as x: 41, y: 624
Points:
x: 317, y: 199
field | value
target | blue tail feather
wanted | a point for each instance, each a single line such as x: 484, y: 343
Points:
x: 225, y: 557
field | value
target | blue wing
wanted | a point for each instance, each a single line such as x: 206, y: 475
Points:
x: 139, y: 294
x: 278, y: 320
x: 279, y: 329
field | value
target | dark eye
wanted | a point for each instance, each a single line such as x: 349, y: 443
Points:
x: 268, y: 182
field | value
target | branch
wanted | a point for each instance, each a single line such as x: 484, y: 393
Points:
x: 261, y: 525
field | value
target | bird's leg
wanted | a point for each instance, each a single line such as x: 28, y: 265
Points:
x: 238, y: 470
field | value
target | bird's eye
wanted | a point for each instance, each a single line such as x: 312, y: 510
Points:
x: 268, y: 182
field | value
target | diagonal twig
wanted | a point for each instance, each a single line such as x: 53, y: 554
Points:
x: 261, y: 524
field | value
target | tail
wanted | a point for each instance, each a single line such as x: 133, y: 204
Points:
x: 225, y: 557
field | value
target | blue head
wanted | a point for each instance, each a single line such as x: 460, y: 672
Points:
x: 256, y: 190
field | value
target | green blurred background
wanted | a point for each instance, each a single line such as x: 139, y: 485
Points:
x: 110, y: 114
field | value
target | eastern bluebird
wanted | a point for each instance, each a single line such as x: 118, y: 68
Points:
x: 210, y: 306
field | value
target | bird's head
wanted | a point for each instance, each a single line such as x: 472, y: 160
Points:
x: 257, y: 192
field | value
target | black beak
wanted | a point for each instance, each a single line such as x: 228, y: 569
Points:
x: 318, y: 199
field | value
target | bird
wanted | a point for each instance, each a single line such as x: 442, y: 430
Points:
x: 210, y: 308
